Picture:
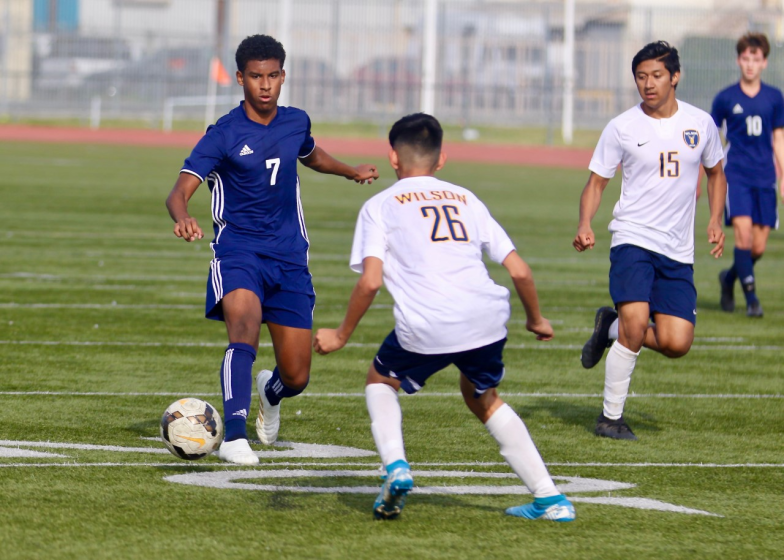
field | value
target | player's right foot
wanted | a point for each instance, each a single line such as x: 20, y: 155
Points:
x: 268, y: 420
x: 754, y: 309
x: 727, y: 293
x: 593, y: 350
x: 615, y: 429
x: 562, y: 510
x: 392, y: 498
x: 237, y: 452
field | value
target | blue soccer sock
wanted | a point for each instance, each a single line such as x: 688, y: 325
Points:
x: 732, y: 275
x: 276, y: 390
x: 237, y: 387
x: 744, y: 266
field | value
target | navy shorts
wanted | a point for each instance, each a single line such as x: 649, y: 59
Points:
x: 484, y: 366
x: 637, y: 274
x: 284, y: 289
x: 761, y: 204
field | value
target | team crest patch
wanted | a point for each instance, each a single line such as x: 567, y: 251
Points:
x: 692, y: 138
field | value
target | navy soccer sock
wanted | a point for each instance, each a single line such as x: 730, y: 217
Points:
x: 745, y: 268
x: 732, y: 275
x: 276, y: 391
x: 237, y: 386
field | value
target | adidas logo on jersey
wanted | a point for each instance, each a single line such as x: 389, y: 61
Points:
x: 737, y: 109
x: 246, y: 151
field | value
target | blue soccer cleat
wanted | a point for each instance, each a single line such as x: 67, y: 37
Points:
x: 557, y: 508
x: 397, y: 485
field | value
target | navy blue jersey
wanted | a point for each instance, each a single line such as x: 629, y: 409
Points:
x: 750, y: 124
x: 251, y: 170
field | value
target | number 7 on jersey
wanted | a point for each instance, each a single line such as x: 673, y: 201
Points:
x: 274, y: 163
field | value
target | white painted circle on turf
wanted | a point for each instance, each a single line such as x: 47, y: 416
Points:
x: 226, y: 479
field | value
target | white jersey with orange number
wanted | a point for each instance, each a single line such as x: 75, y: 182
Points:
x: 430, y: 235
x: 660, y: 161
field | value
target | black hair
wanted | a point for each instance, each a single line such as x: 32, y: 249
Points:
x: 659, y: 50
x: 420, y: 131
x: 259, y: 47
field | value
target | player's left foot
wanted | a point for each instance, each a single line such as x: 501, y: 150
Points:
x: 562, y: 510
x: 727, y: 300
x: 392, y: 498
x: 615, y: 429
x: 593, y: 350
x: 268, y: 420
x: 237, y: 452
x: 754, y: 309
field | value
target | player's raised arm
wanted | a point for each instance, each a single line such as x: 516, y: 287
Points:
x: 185, y: 226
x: 321, y: 161
x: 524, y: 285
x: 717, y: 194
x: 330, y: 340
x: 589, y: 204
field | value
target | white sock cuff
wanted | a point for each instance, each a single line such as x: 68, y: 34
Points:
x: 379, y: 389
x: 613, y: 332
x: 500, y: 418
x: 624, y: 352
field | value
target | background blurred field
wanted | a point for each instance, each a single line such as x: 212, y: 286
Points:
x: 98, y: 296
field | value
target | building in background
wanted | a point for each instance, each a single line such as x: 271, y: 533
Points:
x: 499, y: 62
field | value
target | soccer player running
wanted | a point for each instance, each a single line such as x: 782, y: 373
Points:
x: 259, y: 272
x: 424, y: 238
x: 660, y: 144
x: 753, y: 113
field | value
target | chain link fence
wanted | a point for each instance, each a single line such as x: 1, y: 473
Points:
x: 498, y: 62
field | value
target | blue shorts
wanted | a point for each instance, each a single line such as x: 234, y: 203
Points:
x: 285, y: 290
x: 760, y: 203
x: 484, y: 367
x: 637, y: 274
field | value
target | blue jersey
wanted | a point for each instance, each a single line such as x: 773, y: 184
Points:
x: 251, y: 170
x: 750, y: 124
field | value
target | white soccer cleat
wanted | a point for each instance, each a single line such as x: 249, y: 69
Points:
x: 268, y: 420
x: 237, y: 452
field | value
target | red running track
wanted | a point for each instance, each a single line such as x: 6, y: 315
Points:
x: 572, y: 158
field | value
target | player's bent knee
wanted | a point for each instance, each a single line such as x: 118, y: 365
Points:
x: 298, y: 381
x: 676, y: 350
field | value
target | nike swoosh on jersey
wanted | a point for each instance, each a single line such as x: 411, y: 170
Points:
x: 642, y: 143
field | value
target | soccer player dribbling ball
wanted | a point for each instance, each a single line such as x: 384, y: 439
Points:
x: 753, y: 113
x: 660, y: 145
x: 259, y: 272
x: 424, y: 239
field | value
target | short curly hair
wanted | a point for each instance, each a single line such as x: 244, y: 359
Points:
x: 259, y: 47
x: 755, y: 42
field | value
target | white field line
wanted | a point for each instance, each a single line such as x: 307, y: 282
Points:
x: 115, y: 305
x: 195, y: 465
x: 535, y: 346
x: 425, y: 394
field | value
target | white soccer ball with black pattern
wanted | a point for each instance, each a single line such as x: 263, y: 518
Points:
x: 191, y: 428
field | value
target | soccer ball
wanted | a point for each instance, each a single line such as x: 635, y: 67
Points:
x: 191, y: 428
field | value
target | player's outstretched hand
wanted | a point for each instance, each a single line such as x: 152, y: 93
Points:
x: 584, y: 239
x: 327, y: 340
x: 188, y: 229
x: 366, y: 172
x: 541, y: 328
x: 716, y: 237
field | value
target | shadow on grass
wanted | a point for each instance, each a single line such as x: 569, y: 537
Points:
x: 364, y: 503
x: 581, y: 416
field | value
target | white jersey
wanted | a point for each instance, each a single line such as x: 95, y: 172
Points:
x: 661, y: 165
x: 430, y: 235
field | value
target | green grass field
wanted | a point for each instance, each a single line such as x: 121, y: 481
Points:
x: 101, y: 327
